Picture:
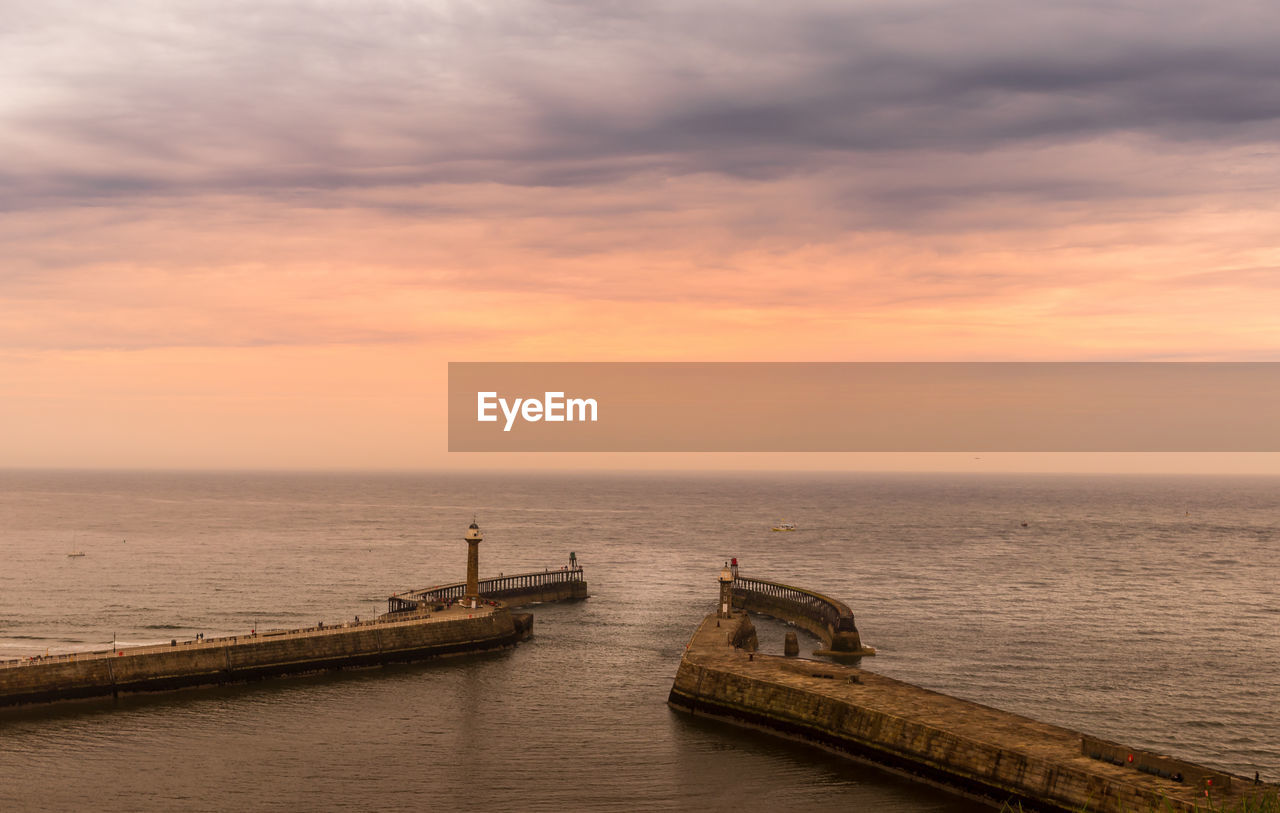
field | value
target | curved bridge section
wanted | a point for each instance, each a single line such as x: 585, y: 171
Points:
x: 521, y: 588
x: 826, y: 617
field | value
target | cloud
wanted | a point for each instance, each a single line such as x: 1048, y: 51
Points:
x: 293, y: 98
x: 232, y: 231
x: 249, y: 174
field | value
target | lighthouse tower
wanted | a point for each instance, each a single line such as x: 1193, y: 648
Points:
x: 726, y: 591
x: 474, y: 538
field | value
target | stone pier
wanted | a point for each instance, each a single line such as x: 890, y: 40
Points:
x: 241, y: 658
x: 976, y: 750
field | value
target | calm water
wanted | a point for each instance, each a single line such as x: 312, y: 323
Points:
x: 1140, y: 609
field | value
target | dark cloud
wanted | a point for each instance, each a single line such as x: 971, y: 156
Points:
x: 153, y: 98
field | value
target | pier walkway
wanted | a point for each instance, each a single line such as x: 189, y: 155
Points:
x: 521, y: 588
x: 241, y: 658
x: 977, y: 750
x: 322, y: 629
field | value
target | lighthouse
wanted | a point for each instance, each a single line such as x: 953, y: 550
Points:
x: 726, y: 591
x: 473, y: 538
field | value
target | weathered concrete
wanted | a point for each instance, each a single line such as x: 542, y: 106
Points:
x: 250, y: 657
x: 1157, y: 764
x: 977, y: 750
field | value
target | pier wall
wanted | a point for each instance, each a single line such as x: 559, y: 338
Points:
x: 827, y: 618
x: 930, y: 753
x: 1157, y: 764
x: 557, y: 591
x: 787, y: 611
x: 249, y: 657
x: 566, y: 584
x: 977, y: 750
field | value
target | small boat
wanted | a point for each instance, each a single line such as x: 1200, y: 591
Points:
x: 785, y: 526
x: 75, y: 553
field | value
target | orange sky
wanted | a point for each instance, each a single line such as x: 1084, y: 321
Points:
x: 247, y: 237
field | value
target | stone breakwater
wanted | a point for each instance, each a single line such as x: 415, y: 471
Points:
x: 976, y: 750
x: 241, y: 658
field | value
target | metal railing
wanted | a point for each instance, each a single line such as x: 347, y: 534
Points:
x: 496, y: 588
x: 834, y: 614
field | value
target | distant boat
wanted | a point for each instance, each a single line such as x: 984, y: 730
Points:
x: 786, y: 526
x: 75, y: 553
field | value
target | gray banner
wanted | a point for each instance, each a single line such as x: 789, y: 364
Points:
x: 863, y: 407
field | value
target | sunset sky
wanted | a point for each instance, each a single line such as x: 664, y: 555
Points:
x: 252, y: 234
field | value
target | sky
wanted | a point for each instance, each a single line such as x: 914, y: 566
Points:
x: 253, y: 234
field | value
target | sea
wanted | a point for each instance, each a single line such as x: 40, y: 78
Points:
x: 1142, y: 609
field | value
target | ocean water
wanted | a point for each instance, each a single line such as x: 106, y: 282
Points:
x: 1141, y: 609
